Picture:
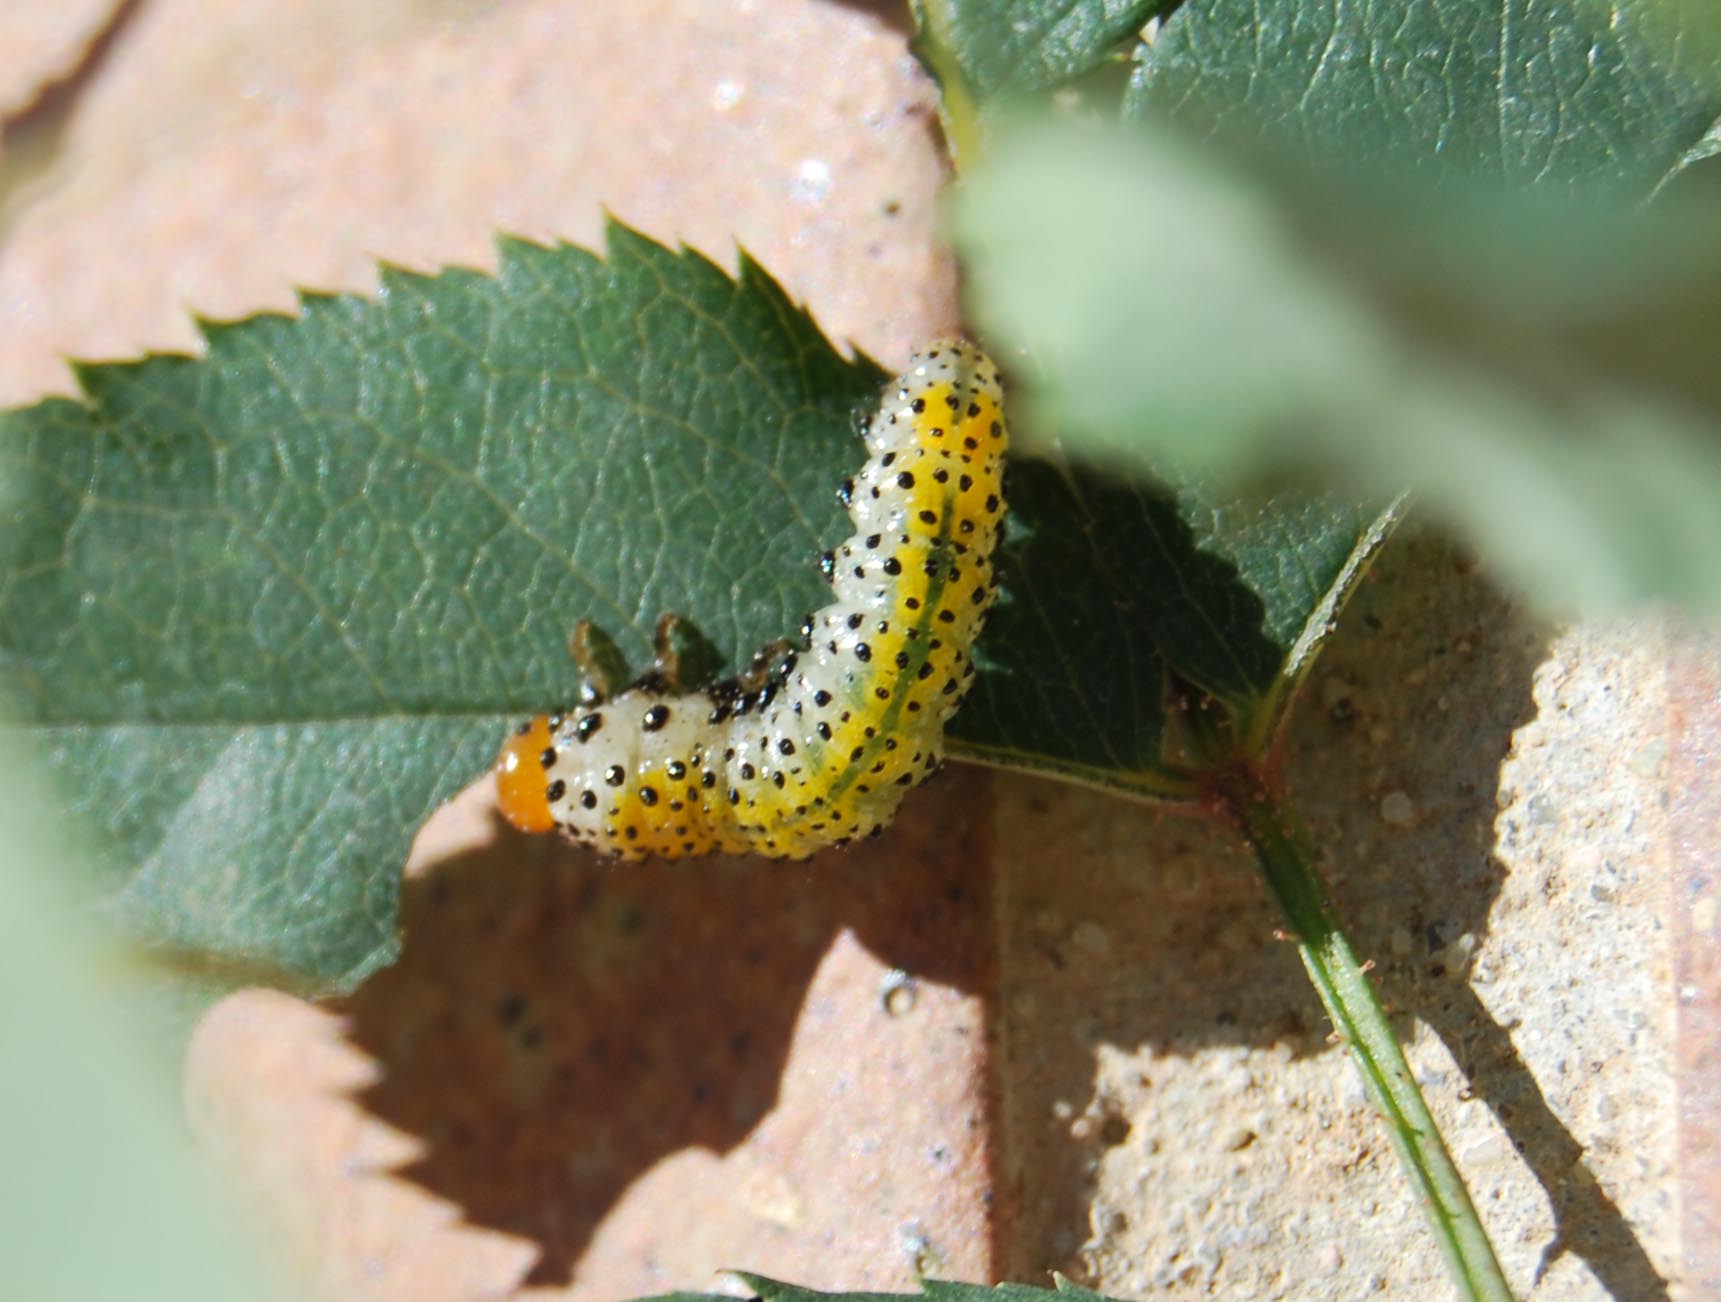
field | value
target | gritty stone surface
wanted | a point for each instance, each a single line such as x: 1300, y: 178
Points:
x: 247, y: 150
x: 582, y: 1081
x: 1694, y: 788
x: 43, y: 42
x: 1176, y: 1122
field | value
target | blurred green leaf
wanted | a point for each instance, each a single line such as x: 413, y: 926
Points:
x: 1187, y: 314
x: 1559, y: 94
x: 101, y: 1195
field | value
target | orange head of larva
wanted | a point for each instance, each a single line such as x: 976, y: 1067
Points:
x: 521, y: 791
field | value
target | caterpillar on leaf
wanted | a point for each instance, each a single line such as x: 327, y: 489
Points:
x: 814, y: 744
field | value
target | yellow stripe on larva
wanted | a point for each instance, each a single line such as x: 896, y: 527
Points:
x: 821, y: 747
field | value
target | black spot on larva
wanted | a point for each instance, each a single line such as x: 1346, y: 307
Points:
x: 893, y: 567
x: 905, y: 479
x: 965, y: 482
x: 655, y: 718
x: 953, y: 402
x: 523, y: 729
x: 863, y: 652
x: 557, y: 790
x: 614, y: 775
x: 917, y: 406
x: 708, y: 778
x: 913, y: 603
x: 777, y: 781
x: 973, y: 409
x: 785, y: 746
x: 856, y: 753
x: 906, y: 780
x: 821, y: 697
x: 846, y: 494
x: 887, y: 459
x: 747, y: 772
x: 883, y: 693
x: 997, y: 430
x: 992, y: 502
x: 828, y: 564
x: 648, y: 796
x: 676, y: 769
x: 970, y: 443
x: 947, y: 616
x: 856, y: 620
x: 823, y: 729
x: 941, y: 476
x: 630, y: 832
x: 734, y: 796
x: 548, y: 758
x: 979, y: 596
x: 926, y: 671
x: 872, y: 540
x: 928, y: 517
x: 588, y: 800
x: 902, y: 660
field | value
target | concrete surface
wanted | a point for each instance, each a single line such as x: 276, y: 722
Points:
x: 585, y: 1083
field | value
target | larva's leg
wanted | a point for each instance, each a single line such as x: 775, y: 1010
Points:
x: 682, y: 657
x: 603, y: 670
x: 767, y: 665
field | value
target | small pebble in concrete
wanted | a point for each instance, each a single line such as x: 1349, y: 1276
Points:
x: 897, y: 993
x: 1396, y: 808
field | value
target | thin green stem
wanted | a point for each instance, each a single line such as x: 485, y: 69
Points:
x: 957, y: 111
x: 1282, y: 850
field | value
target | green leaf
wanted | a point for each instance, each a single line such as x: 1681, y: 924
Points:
x: 989, y: 54
x: 1539, y: 376
x: 262, y: 611
x: 1006, y: 49
x: 931, y: 1290
x: 1109, y: 582
x: 1561, y: 94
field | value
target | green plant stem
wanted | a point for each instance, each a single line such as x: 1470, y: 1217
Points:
x: 1282, y: 851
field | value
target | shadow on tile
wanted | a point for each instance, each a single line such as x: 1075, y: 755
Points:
x: 556, y: 1025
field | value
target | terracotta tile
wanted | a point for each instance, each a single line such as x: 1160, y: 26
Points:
x: 1694, y: 785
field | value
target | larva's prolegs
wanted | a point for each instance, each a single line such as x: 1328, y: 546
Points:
x: 814, y: 744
